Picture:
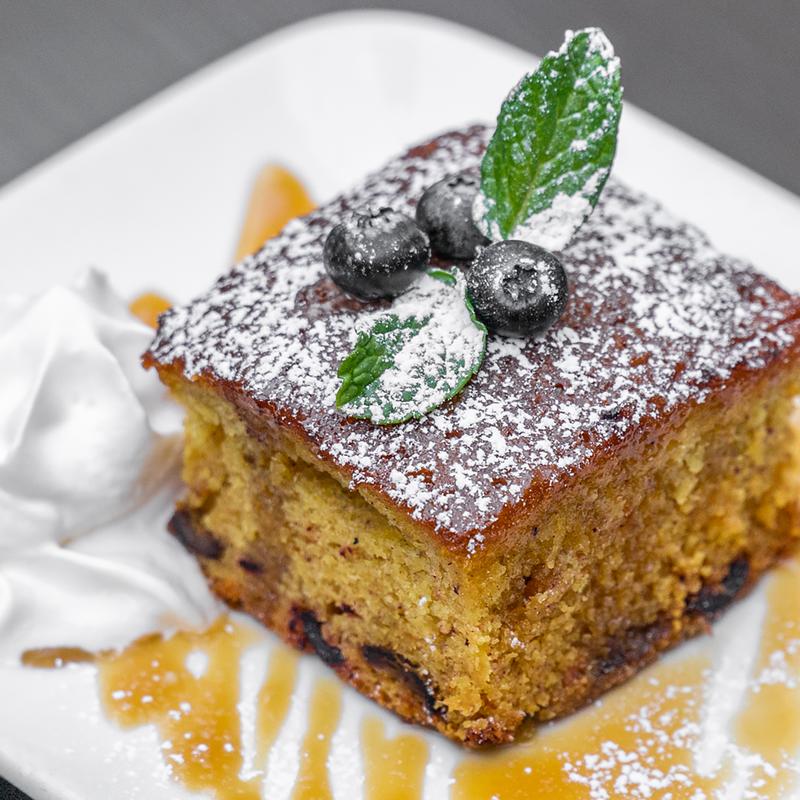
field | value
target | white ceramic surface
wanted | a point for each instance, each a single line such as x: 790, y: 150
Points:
x: 156, y: 197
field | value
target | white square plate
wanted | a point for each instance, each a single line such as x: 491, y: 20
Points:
x: 155, y: 199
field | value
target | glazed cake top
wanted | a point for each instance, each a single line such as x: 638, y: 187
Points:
x: 656, y: 318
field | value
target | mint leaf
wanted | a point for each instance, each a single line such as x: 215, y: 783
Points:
x: 554, y: 144
x: 411, y: 359
x: 373, y: 354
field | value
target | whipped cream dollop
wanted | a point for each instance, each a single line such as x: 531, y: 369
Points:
x: 89, y: 461
x: 85, y: 432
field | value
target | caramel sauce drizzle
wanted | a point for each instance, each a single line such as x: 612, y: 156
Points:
x: 394, y: 769
x: 323, y: 717
x: 769, y: 722
x: 273, y: 701
x: 56, y: 657
x: 196, y: 714
x: 277, y: 196
x: 148, y: 307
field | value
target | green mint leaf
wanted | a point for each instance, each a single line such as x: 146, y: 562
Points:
x: 373, y: 355
x: 554, y: 144
x: 409, y: 360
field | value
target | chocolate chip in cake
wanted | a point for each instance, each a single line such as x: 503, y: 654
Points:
x: 627, y: 652
x: 312, y: 629
x: 383, y: 658
x: 194, y: 538
x: 250, y: 566
x: 711, y: 601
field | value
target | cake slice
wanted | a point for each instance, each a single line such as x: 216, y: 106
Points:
x: 594, y: 496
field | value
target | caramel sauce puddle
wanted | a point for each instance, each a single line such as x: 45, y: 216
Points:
x: 188, y: 687
x: 193, y: 707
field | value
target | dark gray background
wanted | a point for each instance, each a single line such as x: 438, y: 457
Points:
x: 726, y: 72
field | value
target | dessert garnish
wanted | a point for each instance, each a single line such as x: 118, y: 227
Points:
x: 444, y: 212
x: 552, y: 149
x: 415, y: 356
x: 376, y: 254
x: 517, y: 288
x: 541, y: 176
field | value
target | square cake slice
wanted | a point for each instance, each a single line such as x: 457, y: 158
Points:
x: 594, y: 496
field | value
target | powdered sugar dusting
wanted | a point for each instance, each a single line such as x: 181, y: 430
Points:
x: 553, y: 227
x: 598, y: 43
x: 652, y: 755
x: 656, y: 318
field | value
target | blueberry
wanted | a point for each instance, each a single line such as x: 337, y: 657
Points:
x: 376, y: 254
x: 517, y: 288
x: 444, y: 212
